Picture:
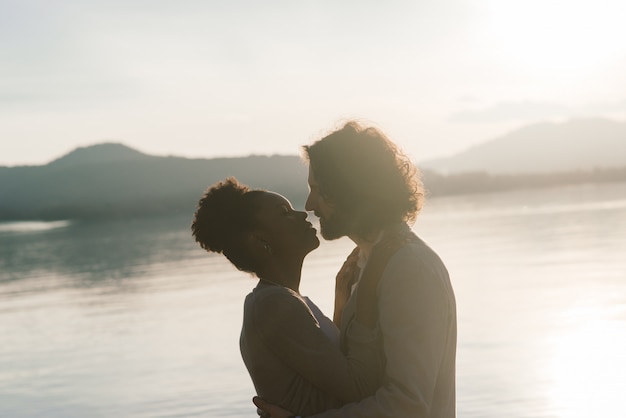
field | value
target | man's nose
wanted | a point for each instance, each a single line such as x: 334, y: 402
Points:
x: 309, y: 204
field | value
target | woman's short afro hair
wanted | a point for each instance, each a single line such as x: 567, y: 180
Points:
x: 225, y: 214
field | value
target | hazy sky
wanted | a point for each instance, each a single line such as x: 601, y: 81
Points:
x: 222, y: 78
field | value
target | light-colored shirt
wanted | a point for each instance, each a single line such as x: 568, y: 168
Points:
x: 292, y: 361
x: 327, y: 326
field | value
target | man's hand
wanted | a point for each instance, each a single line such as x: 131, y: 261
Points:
x: 346, y: 277
x: 271, y: 411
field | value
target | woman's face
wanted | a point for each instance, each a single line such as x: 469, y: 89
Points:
x: 286, y: 230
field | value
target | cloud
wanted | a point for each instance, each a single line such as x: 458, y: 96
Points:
x: 532, y: 111
x: 48, y: 59
x: 507, y: 111
x: 607, y: 107
x: 65, y: 93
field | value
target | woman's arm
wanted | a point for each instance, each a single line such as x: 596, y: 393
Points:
x: 288, y: 327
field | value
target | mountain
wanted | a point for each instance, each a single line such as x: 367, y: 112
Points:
x: 579, y: 144
x: 104, y: 153
x: 112, y: 180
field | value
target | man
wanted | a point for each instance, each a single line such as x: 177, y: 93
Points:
x: 363, y: 187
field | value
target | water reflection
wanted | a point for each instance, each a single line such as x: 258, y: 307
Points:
x: 103, y: 319
x: 586, y: 366
x: 540, y: 292
x: 92, y: 252
x: 31, y: 226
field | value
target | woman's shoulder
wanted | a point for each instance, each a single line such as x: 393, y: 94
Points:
x: 274, y: 309
x: 272, y: 292
x: 273, y: 300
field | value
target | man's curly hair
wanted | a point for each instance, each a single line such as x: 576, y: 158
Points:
x: 367, y: 177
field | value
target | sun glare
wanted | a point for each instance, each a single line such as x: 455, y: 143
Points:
x: 556, y: 37
x: 587, y: 368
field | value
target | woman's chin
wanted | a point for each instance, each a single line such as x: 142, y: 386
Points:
x: 315, y: 244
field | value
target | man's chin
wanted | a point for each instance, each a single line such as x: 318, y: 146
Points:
x: 330, y: 237
x: 330, y: 231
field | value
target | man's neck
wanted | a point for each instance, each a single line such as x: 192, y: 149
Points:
x: 365, y: 244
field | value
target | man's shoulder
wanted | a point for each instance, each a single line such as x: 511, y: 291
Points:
x: 416, y: 250
x: 416, y: 259
x: 415, y: 271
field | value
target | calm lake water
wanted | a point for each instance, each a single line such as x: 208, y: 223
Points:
x: 132, y: 319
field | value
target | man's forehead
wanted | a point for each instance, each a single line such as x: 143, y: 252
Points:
x: 312, y: 179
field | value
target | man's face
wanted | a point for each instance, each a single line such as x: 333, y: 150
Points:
x: 332, y: 224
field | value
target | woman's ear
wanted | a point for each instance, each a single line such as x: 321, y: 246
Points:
x: 258, y: 245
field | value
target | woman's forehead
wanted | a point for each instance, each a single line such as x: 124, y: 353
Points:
x: 273, y: 199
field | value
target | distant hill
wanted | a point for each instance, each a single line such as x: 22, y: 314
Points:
x: 112, y: 180
x: 100, y: 154
x: 579, y: 144
x: 115, y: 181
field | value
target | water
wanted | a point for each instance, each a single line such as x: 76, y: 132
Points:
x: 131, y: 319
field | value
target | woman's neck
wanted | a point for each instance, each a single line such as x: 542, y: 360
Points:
x: 283, y: 274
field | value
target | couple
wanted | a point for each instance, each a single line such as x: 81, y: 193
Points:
x: 390, y: 351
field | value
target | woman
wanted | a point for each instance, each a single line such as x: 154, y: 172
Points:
x: 289, y: 347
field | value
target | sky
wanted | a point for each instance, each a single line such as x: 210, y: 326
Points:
x: 203, y: 79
